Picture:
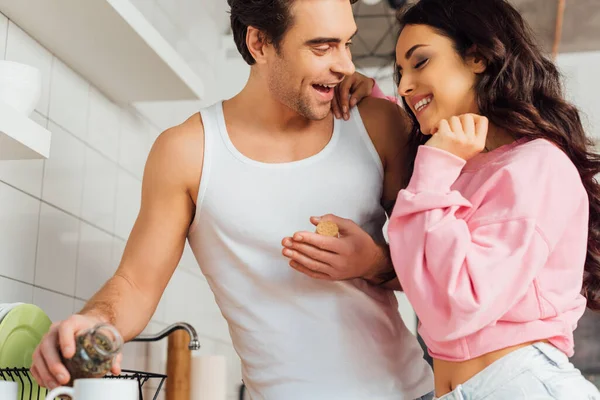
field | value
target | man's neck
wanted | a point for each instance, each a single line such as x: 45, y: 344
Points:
x: 256, y: 103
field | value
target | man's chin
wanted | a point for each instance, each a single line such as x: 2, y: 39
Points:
x: 321, y: 112
x: 316, y: 113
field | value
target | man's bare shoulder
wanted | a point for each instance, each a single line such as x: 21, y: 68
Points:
x: 376, y: 105
x: 187, y: 135
x: 178, y: 152
x: 383, y: 115
x: 387, y: 123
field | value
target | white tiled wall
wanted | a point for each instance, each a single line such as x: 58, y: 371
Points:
x: 64, y: 221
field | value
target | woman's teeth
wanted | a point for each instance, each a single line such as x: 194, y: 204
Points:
x: 420, y: 105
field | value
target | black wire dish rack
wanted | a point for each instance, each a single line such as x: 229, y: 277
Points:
x: 29, y: 390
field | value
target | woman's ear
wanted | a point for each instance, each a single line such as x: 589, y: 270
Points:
x: 475, y: 61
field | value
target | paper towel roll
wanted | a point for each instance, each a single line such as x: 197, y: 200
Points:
x: 208, y: 378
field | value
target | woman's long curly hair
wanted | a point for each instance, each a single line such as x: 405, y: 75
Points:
x: 520, y: 91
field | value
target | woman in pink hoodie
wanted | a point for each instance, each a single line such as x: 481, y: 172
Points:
x: 495, y: 239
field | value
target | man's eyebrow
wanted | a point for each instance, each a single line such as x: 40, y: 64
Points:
x: 324, y: 40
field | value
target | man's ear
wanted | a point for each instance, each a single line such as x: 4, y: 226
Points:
x: 475, y: 61
x: 257, y: 44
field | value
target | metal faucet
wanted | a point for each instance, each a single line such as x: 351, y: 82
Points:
x: 194, y: 342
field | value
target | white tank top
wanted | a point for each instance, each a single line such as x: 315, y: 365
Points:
x: 300, y: 338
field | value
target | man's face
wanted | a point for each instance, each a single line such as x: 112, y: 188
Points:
x: 313, y: 57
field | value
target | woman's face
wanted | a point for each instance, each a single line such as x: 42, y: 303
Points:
x: 436, y: 82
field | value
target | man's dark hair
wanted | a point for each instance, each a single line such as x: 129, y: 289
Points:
x: 271, y: 17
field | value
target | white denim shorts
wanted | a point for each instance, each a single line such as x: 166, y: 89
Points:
x: 536, y: 372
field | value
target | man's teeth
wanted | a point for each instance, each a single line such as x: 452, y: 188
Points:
x: 327, y: 86
x: 420, y: 105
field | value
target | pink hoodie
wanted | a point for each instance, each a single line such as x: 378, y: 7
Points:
x: 491, y: 252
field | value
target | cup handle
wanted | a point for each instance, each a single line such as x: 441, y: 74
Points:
x: 60, y: 391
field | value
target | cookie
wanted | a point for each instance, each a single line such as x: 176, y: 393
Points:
x: 328, y: 228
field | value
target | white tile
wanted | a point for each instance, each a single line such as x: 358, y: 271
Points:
x: 187, y: 49
x: 178, y: 294
x: 57, y: 250
x: 99, y: 190
x: 129, y: 192
x: 219, y: 13
x: 157, y: 351
x: 103, y: 125
x: 78, y: 305
x: 58, y: 307
x: 164, y: 23
x: 64, y: 171
x: 134, y: 356
x: 204, y: 35
x: 19, y: 216
x: 188, y: 261
x: 186, y: 288
x: 160, y: 314
x: 94, y: 262
x: 118, y: 247
x: 15, y: 292
x: 69, y: 99
x: 146, y: 7
x: 208, y: 318
x: 170, y: 9
x: 154, y: 131
x: 26, y: 175
x: 3, y: 35
x: 23, y: 48
x: 208, y: 346
x: 134, y: 143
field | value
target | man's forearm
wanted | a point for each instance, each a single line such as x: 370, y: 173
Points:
x: 385, y: 275
x: 122, y: 305
x: 393, y: 284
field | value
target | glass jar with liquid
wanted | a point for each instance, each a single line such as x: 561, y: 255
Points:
x: 95, y: 351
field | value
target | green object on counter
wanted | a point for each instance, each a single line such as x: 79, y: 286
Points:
x: 21, y: 331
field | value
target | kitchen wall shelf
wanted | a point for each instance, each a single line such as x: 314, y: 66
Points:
x: 111, y: 44
x: 20, y: 137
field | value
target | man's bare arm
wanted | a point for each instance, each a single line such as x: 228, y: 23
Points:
x: 388, y: 126
x: 129, y: 299
x: 154, y: 248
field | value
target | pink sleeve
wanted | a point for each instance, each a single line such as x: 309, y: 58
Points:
x: 458, y: 276
x: 377, y: 92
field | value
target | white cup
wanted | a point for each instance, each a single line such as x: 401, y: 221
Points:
x: 8, y: 390
x: 98, y: 389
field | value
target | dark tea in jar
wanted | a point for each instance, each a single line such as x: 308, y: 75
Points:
x: 95, y: 351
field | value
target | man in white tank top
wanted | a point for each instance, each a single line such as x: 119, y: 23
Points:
x: 242, y: 177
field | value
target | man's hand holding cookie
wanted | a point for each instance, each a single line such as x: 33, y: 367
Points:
x: 328, y: 228
x: 338, y: 250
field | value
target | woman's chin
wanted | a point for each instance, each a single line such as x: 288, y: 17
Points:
x: 425, y: 130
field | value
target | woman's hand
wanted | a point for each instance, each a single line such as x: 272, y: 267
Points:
x: 463, y: 136
x: 348, y: 93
